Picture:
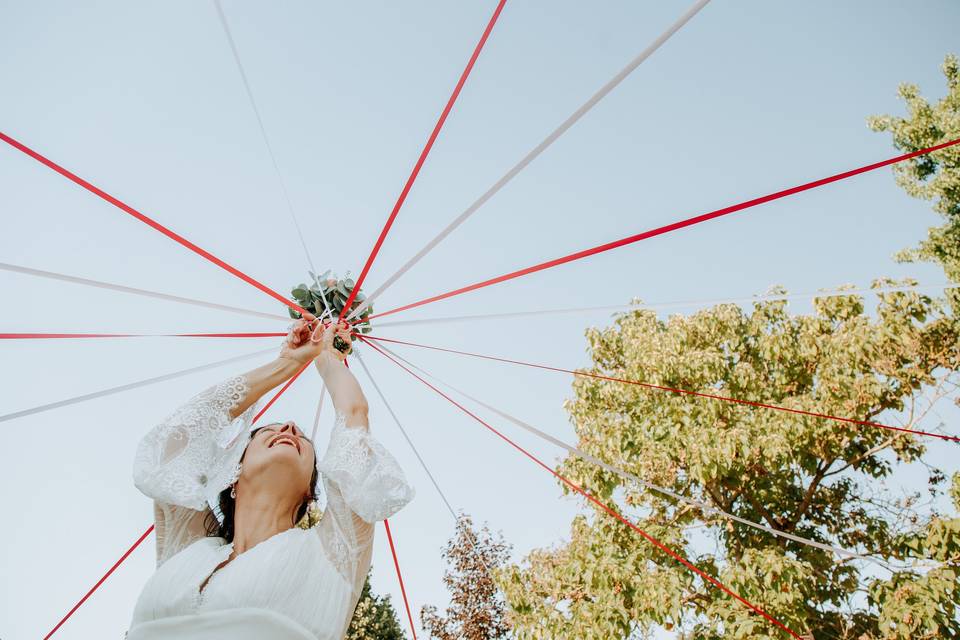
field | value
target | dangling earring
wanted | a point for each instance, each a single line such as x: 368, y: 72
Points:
x: 233, y: 491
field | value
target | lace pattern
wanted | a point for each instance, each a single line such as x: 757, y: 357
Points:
x: 370, y: 480
x: 180, y: 461
x: 188, y: 459
x: 364, y: 484
x: 183, y: 463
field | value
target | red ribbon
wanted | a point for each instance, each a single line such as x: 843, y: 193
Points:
x: 147, y: 220
x: 688, y: 222
x: 423, y: 156
x: 673, y: 554
x: 698, y: 394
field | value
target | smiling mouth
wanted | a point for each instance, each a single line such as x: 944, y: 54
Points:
x: 285, y: 440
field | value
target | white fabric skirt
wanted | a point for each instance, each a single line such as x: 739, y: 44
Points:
x: 236, y: 624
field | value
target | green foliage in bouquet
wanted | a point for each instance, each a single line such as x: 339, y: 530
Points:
x: 329, y: 292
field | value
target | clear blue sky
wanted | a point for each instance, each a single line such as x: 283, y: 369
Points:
x: 144, y: 100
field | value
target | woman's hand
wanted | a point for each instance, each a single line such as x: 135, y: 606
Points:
x: 303, y: 343
x: 340, y: 330
x: 344, y: 390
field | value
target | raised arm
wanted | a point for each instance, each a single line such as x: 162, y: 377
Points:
x: 298, y: 350
x: 345, y: 391
x: 180, y: 463
x: 362, y: 480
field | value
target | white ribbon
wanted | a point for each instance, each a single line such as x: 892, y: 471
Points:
x: 706, y: 508
x: 666, y: 305
x: 406, y: 437
x: 536, y: 151
x: 263, y: 130
x: 132, y: 385
x: 139, y: 292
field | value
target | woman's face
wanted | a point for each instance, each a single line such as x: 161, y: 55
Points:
x: 280, y: 453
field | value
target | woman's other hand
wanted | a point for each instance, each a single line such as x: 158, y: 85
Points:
x: 302, y: 343
x: 344, y: 390
x: 340, y: 330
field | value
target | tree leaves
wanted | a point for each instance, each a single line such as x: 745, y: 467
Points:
x: 804, y: 475
x: 374, y: 618
x: 477, y: 610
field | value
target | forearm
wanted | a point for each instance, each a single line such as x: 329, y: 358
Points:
x: 345, y: 391
x: 263, y: 379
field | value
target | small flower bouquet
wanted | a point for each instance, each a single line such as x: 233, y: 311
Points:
x: 326, y: 298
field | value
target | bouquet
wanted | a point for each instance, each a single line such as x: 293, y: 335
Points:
x: 326, y: 297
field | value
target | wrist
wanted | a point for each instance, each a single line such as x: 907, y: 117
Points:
x: 324, y: 362
x: 287, y: 366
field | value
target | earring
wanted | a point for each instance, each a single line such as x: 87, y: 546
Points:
x: 233, y: 491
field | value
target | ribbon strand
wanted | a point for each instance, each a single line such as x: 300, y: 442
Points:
x: 603, y: 506
x: 138, y: 292
x: 643, y: 306
x: 65, y: 336
x: 100, y: 581
x: 707, y: 509
x: 176, y: 237
x: 536, y: 151
x: 669, y: 228
x: 403, y: 589
x: 647, y: 385
x: 423, y: 156
x: 131, y: 385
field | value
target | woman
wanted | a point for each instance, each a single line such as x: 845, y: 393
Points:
x: 230, y: 561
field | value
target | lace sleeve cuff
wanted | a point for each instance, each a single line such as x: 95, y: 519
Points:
x: 368, y: 477
x: 175, y: 459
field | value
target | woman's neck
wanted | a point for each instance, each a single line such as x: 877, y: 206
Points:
x: 259, y: 516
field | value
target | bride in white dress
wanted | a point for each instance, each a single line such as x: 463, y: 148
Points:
x: 230, y: 561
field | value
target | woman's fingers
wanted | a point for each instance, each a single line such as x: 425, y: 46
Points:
x: 299, y: 333
x: 316, y: 334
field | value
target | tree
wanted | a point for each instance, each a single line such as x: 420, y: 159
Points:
x: 477, y: 610
x: 924, y: 605
x: 374, y: 618
x: 935, y: 176
x: 812, y: 477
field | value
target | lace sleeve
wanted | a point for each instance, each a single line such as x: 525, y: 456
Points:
x: 364, y: 484
x: 179, y: 462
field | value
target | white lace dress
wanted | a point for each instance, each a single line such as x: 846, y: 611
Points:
x: 297, y: 585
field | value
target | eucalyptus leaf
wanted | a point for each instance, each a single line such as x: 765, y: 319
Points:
x: 316, y: 298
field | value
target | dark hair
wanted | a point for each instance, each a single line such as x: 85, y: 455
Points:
x: 228, y: 506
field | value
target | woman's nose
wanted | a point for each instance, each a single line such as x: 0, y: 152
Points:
x: 288, y: 426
